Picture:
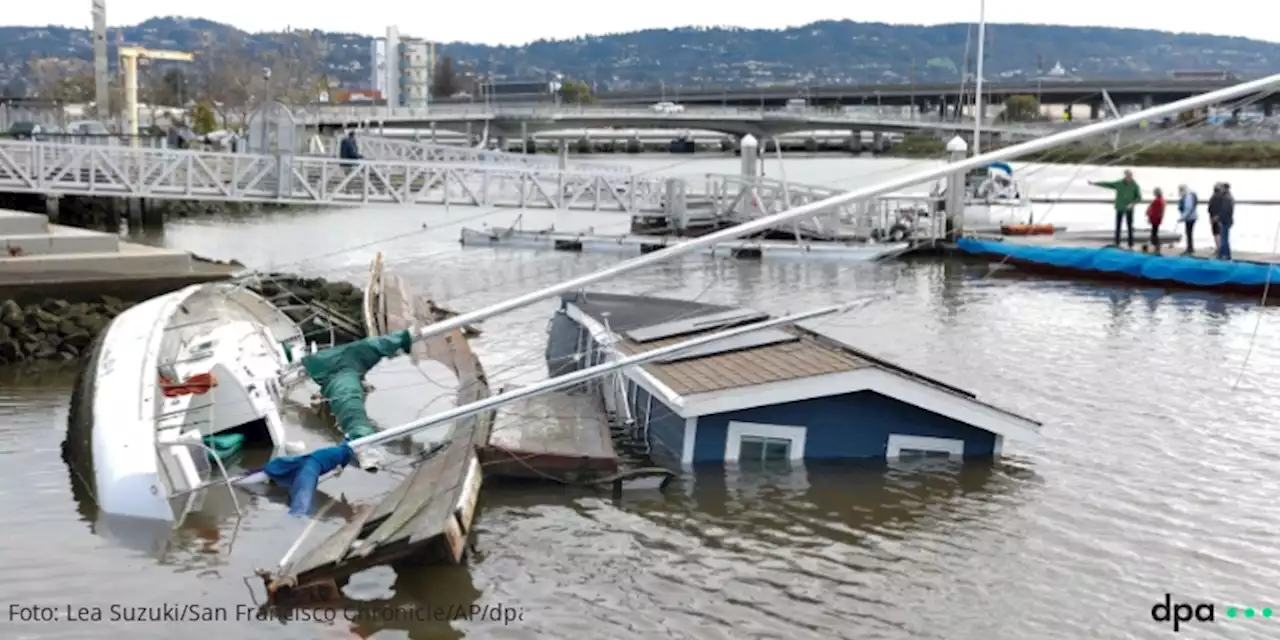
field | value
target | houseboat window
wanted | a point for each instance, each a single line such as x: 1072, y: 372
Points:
x: 764, y: 449
x: 916, y: 454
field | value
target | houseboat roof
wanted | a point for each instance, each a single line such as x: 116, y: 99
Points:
x: 774, y: 366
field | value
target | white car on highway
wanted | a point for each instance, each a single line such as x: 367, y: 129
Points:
x: 667, y: 107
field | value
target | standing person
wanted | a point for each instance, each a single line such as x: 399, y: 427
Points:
x: 1215, y: 225
x: 349, y: 151
x: 1128, y: 195
x: 1187, y: 201
x: 1155, y: 215
x: 1226, y: 218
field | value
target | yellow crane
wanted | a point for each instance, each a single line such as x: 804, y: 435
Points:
x: 129, y: 57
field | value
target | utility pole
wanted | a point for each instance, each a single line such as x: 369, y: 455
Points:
x: 101, y: 80
x: 913, y: 87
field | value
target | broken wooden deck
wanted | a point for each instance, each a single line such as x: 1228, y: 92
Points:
x: 562, y: 435
x: 428, y: 517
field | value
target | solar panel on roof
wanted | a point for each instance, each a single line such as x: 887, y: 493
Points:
x: 732, y: 317
x: 753, y: 340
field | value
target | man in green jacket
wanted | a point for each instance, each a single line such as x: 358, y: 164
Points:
x: 1128, y: 195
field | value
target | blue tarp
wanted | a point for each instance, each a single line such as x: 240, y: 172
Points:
x: 1001, y: 166
x: 301, y: 474
x: 1196, y: 272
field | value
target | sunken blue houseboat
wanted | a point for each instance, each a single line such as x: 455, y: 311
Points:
x: 778, y: 394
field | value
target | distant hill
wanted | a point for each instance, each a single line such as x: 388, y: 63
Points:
x: 819, y: 53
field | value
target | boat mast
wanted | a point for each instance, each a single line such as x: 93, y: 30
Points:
x: 977, y: 88
x: 583, y: 375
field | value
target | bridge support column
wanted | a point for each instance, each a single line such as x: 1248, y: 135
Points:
x: 942, y: 109
x: 51, y: 208
x: 1268, y: 109
x: 563, y: 156
x: 433, y: 133
x: 854, y: 143
x: 135, y: 213
x: 1148, y: 101
x: 524, y: 137
x: 877, y: 142
x: 1095, y: 111
x: 152, y: 216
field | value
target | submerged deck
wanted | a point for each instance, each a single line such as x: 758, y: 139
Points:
x: 427, y: 517
x: 563, y: 435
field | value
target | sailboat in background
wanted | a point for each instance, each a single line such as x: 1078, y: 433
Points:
x: 994, y: 197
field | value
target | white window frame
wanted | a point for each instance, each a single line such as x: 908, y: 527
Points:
x: 736, y: 430
x: 899, y: 442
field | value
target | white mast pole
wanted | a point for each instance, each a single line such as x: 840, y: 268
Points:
x: 589, y: 373
x: 977, y: 89
x: 922, y: 177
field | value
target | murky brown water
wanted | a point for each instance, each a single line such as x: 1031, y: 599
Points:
x: 1155, y: 474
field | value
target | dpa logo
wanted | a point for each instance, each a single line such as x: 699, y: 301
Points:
x: 1180, y: 613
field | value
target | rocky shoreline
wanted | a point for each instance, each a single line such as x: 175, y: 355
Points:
x: 60, y: 330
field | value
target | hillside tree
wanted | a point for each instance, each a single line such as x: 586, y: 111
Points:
x: 444, y: 83
x: 576, y: 92
x: 62, y: 80
x: 1021, y: 108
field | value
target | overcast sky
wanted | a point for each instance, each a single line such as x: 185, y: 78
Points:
x: 518, y: 21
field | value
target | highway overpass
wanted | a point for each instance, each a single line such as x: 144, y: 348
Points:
x: 1059, y: 92
x: 524, y: 121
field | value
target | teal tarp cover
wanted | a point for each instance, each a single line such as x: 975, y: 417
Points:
x: 223, y: 445
x: 340, y: 373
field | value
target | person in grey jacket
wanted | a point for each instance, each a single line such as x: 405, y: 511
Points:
x: 1187, y: 203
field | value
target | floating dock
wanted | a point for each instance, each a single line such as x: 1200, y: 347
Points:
x: 563, y: 435
x: 635, y: 244
x: 1249, y: 276
x: 37, y: 255
x: 428, y: 517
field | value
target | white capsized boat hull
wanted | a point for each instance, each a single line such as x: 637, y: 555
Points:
x: 147, y: 447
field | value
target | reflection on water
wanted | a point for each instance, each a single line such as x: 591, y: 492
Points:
x: 1152, y: 477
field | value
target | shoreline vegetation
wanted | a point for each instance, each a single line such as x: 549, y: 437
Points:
x: 1207, y: 155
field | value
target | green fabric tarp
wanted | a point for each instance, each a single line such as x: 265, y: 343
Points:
x: 223, y: 445
x: 340, y: 373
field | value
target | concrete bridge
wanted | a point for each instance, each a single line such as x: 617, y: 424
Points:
x: 504, y: 121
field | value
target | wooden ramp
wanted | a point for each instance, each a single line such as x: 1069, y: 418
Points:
x: 428, y: 517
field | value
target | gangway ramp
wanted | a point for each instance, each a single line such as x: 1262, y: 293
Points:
x: 173, y: 174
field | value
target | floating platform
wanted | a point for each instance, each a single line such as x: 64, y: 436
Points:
x: 562, y: 435
x: 428, y: 517
x: 641, y: 244
x: 1109, y: 263
x: 37, y: 255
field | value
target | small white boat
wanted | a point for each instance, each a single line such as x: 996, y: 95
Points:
x: 172, y: 380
